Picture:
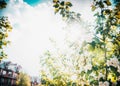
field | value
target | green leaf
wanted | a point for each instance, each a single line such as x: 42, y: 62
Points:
x: 55, y: 1
x: 99, y: 30
x: 69, y: 84
x: 56, y: 5
x: 101, y: 79
x: 95, y: 68
x: 93, y: 44
x: 56, y: 10
x: 0, y: 42
x: 93, y: 8
x: 43, y: 81
x: 96, y: 40
x: 107, y: 2
x: 101, y: 5
x: 113, y: 69
x: 82, y: 73
x: 86, y: 76
x: 95, y: 82
x: 68, y: 4
x: 89, y: 72
x: 91, y: 78
x: 3, y: 4
x: 74, y: 84
x: 62, y: 3
x: 107, y: 11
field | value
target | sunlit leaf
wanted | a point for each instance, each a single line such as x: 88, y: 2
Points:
x: 67, y: 8
x: 4, y: 43
x: 118, y: 16
x: 93, y: 8
x: 94, y: 82
x: 68, y: 4
x: 111, y: 77
x: 106, y: 12
x: 6, y: 34
x: 56, y: 5
x: 55, y: 1
x: 107, y: 2
x: 56, y: 10
x: 1, y: 36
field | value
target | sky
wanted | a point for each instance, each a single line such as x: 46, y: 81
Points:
x: 34, y: 23
x: 34, y: 2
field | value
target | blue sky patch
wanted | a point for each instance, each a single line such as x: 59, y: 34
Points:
x: 33, y: 2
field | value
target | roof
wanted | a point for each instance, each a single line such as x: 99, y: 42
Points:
x: 8, y: 65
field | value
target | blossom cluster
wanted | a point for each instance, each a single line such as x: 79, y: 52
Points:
x: 88, y: 67
x: 106, y: 83
x: 115, y: 63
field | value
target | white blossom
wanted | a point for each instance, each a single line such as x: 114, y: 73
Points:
x: 108, y: 62
x: 101, y: 83
x: 118, y: 69
x: 118, y: 78
x: 106, y: 83
x: 100, y: 76
x: 113, y: 62
x: 88, y: 67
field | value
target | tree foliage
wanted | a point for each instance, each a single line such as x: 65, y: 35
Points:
x: 5, y: 28
x: 23, y: 80
x: 107, y: 35
x: 63, y: 7
x: 64, y: 69
x: 3, y: 4
x: 94, y: 63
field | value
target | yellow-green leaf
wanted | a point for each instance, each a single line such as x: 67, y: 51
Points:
x: 93, y: 8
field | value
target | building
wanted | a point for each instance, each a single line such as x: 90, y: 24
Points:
x: 35, y: 81
x: 8, y: 73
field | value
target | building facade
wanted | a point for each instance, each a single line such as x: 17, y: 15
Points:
x: 8, y: 73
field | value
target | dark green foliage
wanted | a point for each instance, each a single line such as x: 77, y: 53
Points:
x: 56, y: 5
x: 63, y: 8
x: 95, y: 68
x: 62, y: 3
x: 95, y: 82
x: 3, y: 4
x: 74, y: 84
x: 43, y: 81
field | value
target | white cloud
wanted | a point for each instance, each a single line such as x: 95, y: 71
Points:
x: 32, y: 27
